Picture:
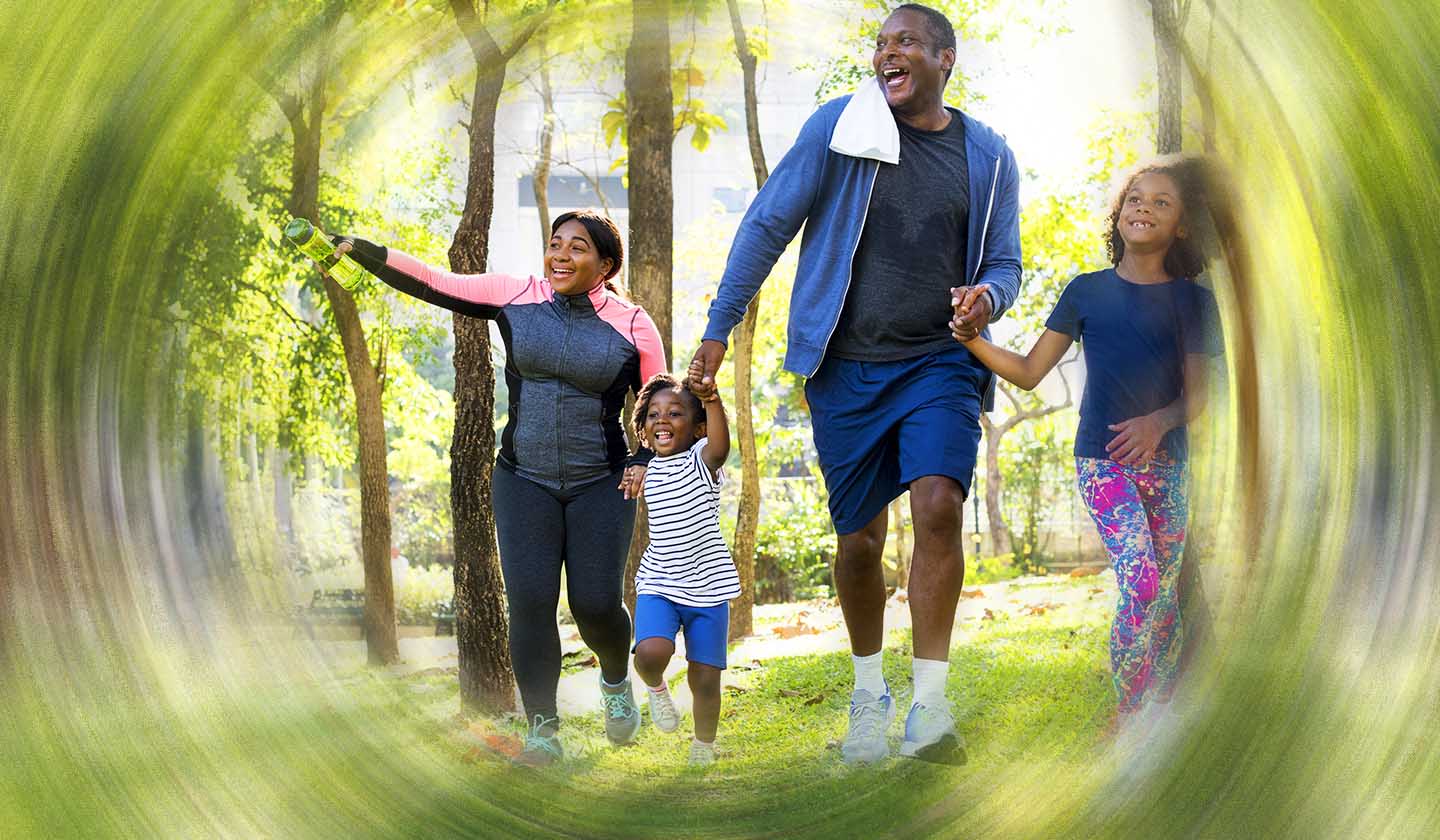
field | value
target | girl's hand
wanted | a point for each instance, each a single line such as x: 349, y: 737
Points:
x: 1137, y: 440
x: 972, y: 311
x: 632, y: 482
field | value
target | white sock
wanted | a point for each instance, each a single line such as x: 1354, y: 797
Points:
x: 868, y: 675
x: 662, y: 688
x: 700, y: 743
x: 930, y: 677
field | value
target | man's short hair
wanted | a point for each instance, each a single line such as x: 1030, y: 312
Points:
x: 936, y: 22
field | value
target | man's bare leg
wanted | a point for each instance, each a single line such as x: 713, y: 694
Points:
x: 860, y: 586
x: 937, y: 572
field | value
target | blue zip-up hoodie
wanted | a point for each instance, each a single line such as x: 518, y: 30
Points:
x: 829, y: 193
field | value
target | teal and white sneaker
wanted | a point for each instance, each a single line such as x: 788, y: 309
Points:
x: 702, y: 755
x: 930, y: 735
x: 622, y: 716
x: 870, y: 717
x: 662, y: 710
x: 542, y: 745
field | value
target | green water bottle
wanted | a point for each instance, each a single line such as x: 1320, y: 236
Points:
x: 314, y: 244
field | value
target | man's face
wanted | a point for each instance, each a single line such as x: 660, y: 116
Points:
x: 911, y: 72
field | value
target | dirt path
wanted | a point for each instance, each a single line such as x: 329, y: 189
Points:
x: 798, y: 629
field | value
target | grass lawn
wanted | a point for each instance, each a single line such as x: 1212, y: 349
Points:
x: 373, y: 755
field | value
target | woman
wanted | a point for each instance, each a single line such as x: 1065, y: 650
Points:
x: 574, y: 348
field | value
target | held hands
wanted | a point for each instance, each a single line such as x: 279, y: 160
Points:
x: 632, y: 483
x: 1138, y: 439
x: 972, y: 311
x: 701, y: 374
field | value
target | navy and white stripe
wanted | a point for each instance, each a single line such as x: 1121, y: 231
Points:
x: 687, y: 560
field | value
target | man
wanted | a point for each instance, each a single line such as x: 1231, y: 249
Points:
x: 895, y: 401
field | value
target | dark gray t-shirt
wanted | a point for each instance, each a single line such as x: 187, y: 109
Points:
x: 911, y: 252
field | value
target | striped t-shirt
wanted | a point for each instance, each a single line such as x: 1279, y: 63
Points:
x: 687, y: 560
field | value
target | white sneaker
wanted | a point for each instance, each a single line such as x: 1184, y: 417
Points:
x: 701, y: 755
x: 930, y: 735
x: 870, y: 717
x: 662, y: 709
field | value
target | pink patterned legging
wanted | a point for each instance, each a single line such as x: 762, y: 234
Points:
x: 1141, y: 514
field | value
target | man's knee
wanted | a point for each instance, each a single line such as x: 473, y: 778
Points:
x: 938, y: 504
x: 862, y: 548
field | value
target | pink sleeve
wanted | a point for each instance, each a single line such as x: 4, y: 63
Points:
x: 485, y: 289
x: 646, y: 339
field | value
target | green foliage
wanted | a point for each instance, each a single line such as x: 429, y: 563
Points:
x: 1038, y: 471
x: 420, y: 590
x: 794, y: 544
x: 1000, y: 567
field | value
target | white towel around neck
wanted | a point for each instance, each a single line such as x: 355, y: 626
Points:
x: 866, y: 128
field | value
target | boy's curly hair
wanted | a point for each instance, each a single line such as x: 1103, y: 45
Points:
x: 662, y: 382
x: 1197, y: 181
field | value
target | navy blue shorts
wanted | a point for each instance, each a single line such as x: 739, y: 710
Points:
x: 881, y: 425
x: 707, y: 629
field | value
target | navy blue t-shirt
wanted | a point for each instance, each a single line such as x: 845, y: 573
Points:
x: 1134, y: 336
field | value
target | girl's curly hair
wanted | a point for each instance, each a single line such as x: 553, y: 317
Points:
x: 663, y: 382
x: 1193, y: 175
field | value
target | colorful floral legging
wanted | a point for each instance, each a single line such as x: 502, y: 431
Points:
x: 1141, y: 514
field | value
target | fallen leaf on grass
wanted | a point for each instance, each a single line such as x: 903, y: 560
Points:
x: 1084, y: 571
x: 506, y: 745
x: 735, y: 689
x: 790, y: 631
x: 988, y: 616
x: 972, y: 593
x: 1097, y: 591
x: 817, y: 699
x: 1038, y: 609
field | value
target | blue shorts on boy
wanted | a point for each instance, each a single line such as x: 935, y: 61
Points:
x: 686, y: 575
x: 881, y: 425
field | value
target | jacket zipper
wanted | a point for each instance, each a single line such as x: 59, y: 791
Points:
x: 849, y: 270
x: 560, y: 396
x: 985, y: 226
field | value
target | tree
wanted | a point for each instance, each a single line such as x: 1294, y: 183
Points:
x: 1168, y: 18
x: 747, y: 519
x: 486, y: 677
x: 304, y: 109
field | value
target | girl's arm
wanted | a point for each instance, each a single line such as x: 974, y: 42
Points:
x: 1138, y: 439
x: 717, y: 430
x: 1023, y: 371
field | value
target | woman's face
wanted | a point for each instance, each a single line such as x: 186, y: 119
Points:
x: 1151, y: 213
x: 571, y: 263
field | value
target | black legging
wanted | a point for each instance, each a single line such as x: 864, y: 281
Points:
x: 587, y: 529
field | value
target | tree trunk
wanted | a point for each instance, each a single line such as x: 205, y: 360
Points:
x: 902, y: 551
x: 481, y: 622
x: 1000, y: 542
x: 381, y: 645
x: 747, y: 518
x: 650, y: 127
x: 1166, y: 22
x: 541, y: 181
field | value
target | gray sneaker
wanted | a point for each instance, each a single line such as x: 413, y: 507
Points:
x: 622, y: 716
x: 870, y: 717
x: 662, y: 710
x: 542, y: 746
x: 930, y: 735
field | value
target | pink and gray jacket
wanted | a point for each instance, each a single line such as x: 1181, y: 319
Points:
x: 569, y: 361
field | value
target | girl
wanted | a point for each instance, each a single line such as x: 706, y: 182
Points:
x: 686, y: 577
x: 573, y: 349
x: 1146, y: 328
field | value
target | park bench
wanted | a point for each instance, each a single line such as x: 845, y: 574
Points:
x: 444, y: 618
x: 344, y: 607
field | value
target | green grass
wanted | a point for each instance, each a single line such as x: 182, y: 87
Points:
x: 374, y: 755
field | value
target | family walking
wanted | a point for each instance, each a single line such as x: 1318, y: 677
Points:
x: 911, y: 248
